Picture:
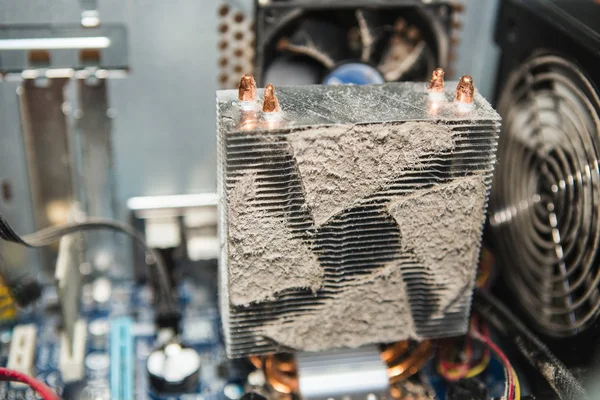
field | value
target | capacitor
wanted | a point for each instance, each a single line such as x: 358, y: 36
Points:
x: 98, y: 330
x: 173, y: 368
x: 101, y: 291
x: 233, y: 391
x: 97, y: 363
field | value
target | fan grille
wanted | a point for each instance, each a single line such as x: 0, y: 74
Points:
x: 546, y: 193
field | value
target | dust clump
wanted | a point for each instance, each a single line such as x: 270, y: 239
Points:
x: 339, y: 166
x: 264, y: 256
x: 374, y: 309
x: 442, y: 228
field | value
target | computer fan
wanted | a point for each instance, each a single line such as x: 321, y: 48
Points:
x: 546, y: 192
x: 308, y: 42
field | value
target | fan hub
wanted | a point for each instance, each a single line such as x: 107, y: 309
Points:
x: 356, y: 73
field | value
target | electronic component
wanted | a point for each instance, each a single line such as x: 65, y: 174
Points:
x: 21, y: 354
x: 471, y: 389
x: 122, y: 353
x: 99, y: 329
x: 545, y: 195
x: 101, y: 292
x: 252, y: 396
x: 72, y: 353
x: 22, y: 287
x: 320, y: 245
x: 167, y: 313
x: 354, y: 373
x: 200, y: 330
x: 174, y: 368
x: 308, y: 42
x: 560, y: 379
x: 193, y: 217
x: 25, y: 289
x: 68, y: 283
x: 8, y: 309
x: 98, y: 363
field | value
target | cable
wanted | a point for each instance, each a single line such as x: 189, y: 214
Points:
x: 9, y: 375
x: 454, y: 371
x: 467, y: 366
x: 517, y: 385
x: 508, y: 369
x: 479, y: 368
x: 556, y: 374
x: 49, y: 235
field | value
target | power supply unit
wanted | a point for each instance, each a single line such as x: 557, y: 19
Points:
x: 544, y: 215
x: 350, y: 215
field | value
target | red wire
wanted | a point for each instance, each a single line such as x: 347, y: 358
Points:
x: 484, y: 337
x: 463, y: 367
x: 40, y: 388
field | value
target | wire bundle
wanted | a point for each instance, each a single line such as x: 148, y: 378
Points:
x: 457, y: 358
x: 467, y: 365
x: 558, y: 376
x: 47, y: 236
x: 50, y: 235
x: 506, y: 323
x: 513, y: 389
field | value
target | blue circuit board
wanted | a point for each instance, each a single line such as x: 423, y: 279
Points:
x: 128, y: 302
x: 122, y: 334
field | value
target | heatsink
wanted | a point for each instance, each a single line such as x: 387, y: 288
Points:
x: 354, y: 217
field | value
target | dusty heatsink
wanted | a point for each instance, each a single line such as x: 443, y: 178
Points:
x: 354, y: 218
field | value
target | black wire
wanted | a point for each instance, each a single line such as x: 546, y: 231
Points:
x: 50, y: 235
x: 537, y: 353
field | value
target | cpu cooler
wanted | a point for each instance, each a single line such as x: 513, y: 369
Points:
x: 355, y: 218
x: 308, y: 42
x: 545, y: 200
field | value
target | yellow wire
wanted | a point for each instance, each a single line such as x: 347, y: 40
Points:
x: 449, y: 374
x: 479, y: 368
x: 517, y: 385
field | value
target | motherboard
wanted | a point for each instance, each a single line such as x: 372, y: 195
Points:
x: 121, y: 336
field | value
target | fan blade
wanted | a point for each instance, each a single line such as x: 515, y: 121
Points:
x: 367, y: 35
x: 400, y: 57
x: 317, y: 39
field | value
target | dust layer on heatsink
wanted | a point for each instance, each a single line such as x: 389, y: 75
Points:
x: 339, y: 237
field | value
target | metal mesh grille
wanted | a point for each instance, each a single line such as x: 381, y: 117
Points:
x: 362, y: 238
x: 545, y: 202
